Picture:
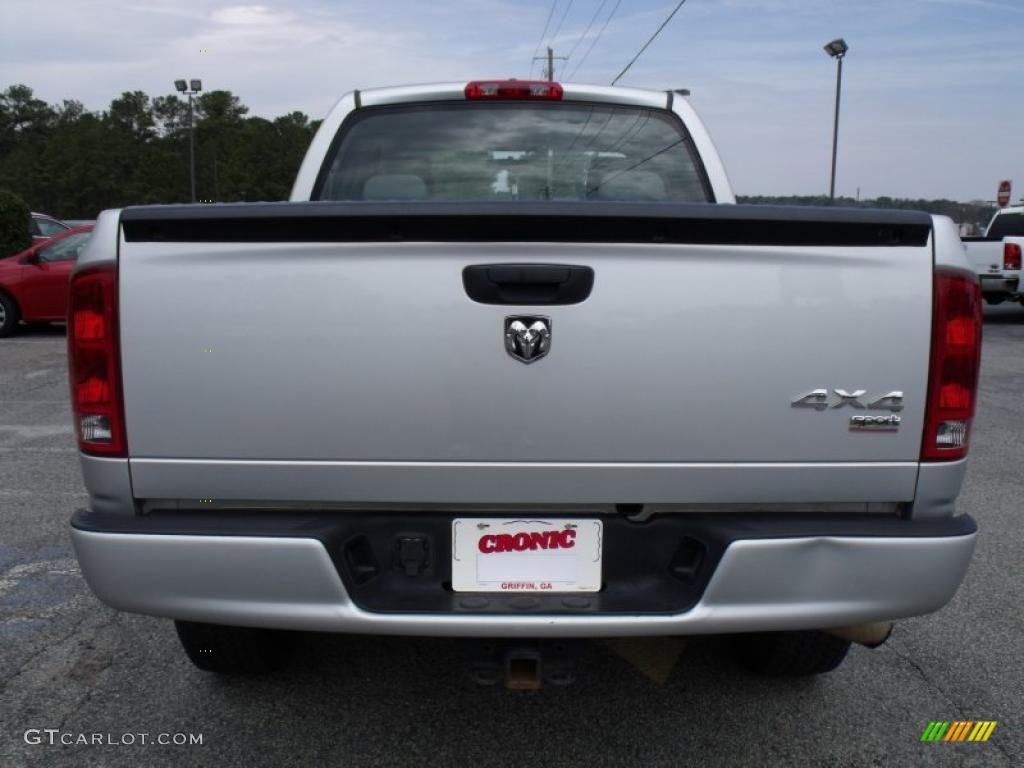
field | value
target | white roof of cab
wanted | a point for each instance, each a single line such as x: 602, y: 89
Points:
x: 639, y: 97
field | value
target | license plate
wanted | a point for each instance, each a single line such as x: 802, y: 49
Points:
x: 526, y: 555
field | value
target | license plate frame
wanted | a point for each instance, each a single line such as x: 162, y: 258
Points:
x: 527, y: 555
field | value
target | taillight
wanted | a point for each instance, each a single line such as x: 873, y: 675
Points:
x: 94, y: 361
x: 953, y: 373
x: 1011, y: 256
x: 514, y: 89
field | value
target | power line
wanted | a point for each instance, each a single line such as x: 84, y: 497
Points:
x: 651, y: 40
x: 594, y: 41
x: 632, y: 134
x: 589, y: 25
x: 550, y: 74
x: 600, y: 130
x: 560, y: 22
x: 546, y: 25
x: 566, y: 157
x: 612, y: 176
x: 541, y: 40
x: 581, y: 131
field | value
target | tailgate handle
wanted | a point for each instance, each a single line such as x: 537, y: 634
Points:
x: 527, y: 284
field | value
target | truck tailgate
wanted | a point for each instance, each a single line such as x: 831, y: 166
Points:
x: 985, y: 256
x: 296, y: 362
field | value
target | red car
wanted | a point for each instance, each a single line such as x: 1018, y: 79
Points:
x: 34, y: 283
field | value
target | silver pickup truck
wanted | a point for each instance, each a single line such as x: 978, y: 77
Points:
x: 513, y: 364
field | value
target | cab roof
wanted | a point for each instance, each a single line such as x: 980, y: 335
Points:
x: 640, y: 97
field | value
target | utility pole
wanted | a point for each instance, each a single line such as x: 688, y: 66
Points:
x: 550, y: 59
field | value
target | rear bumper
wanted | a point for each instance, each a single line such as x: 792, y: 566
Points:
x: 756, y: 582
x: 997, y: 284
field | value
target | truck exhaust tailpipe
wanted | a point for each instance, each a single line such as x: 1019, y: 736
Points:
x: 870, y: 635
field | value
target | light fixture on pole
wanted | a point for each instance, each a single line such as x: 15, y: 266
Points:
x: 191, y: 88
x: 837, y: 50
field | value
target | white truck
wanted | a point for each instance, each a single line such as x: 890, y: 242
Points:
x: 513, y: 364
x: 996, y: 255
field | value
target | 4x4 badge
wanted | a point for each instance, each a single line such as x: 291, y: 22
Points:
x: 527, y: 337
x: 820, y: 400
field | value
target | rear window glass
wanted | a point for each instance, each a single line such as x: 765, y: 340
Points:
x: 1006, y: 225
x: 65, y: 249
x: 47, y: 227
x: 514, y: 151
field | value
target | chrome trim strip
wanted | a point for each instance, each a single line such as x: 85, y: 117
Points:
x: 649, y: 510
x: 545, y: 464
x: 449, y: 482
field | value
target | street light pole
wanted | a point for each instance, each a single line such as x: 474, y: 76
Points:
x: 192, y: 150
x: 191, y: 88
x: 835, y: 128
x: 836, y: 49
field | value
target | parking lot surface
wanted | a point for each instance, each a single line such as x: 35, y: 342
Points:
x: 69, y: 663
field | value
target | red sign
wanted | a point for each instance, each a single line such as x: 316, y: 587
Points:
x: 1003, y: 198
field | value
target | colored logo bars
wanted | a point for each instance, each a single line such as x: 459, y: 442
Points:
x: 958, y: 730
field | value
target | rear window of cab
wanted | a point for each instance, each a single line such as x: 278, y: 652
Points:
x: 465, y: 151
x: 1006, y: 225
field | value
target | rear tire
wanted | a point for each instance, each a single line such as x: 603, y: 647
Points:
x: 234, y: 650
x: 994, y: 301
x: 790, y: 654
x: 9, y: 316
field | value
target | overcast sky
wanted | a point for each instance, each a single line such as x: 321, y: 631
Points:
x: 933, y: 90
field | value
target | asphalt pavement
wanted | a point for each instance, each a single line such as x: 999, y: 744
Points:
x: 75, y: 668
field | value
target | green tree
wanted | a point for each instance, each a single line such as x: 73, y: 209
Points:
x: 220, y: 109
x: 132, y: 115
x: 22, y: 112
x: 26, y: 124
x: 170, y: 114
x: 14, y: 224
x: 73, y: 162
